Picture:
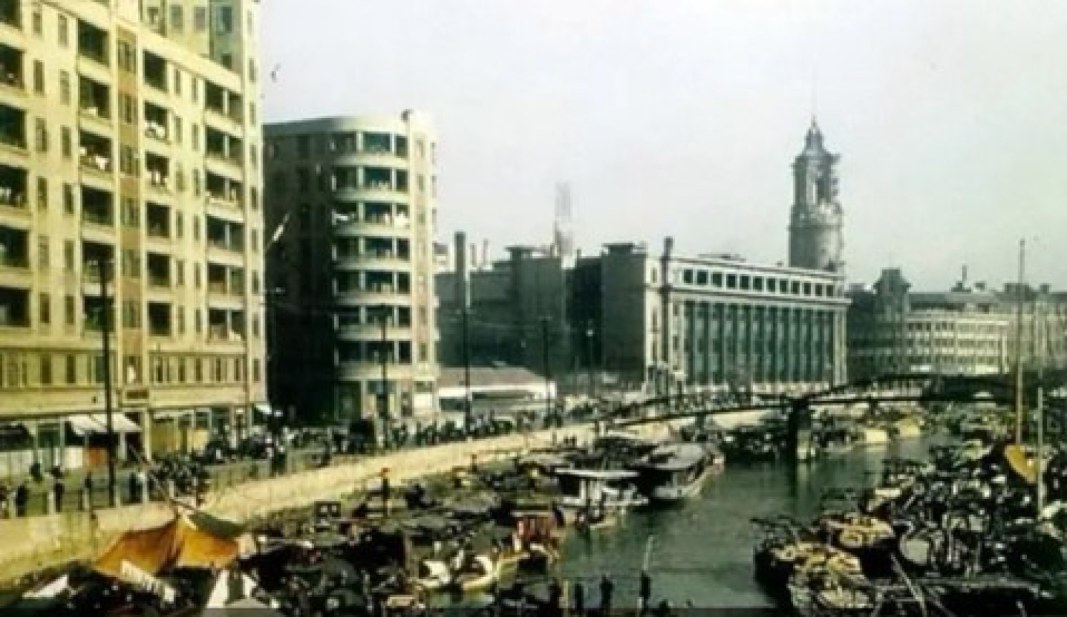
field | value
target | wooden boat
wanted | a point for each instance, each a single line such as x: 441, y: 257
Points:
x: 674, y: 472
x: 478, y: 574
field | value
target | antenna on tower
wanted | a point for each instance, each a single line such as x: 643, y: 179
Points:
x: 814, y: 94
x: 563, y: 233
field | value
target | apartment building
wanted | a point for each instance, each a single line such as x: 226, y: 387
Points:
x: 129, y: 137
x: 352, y: 202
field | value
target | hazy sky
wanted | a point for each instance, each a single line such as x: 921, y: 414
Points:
x: 681, y: 118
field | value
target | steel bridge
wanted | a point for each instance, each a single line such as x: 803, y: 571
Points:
x: 929, y: 390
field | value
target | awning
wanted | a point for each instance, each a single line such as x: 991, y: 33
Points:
x: 266, y: 410
x: 172, y: 414
x: 97, y: 423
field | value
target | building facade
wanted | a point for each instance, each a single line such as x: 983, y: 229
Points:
x: 351, y: 265
x: 129, y: 137
x: 659, y: 322
x: 963, y: 331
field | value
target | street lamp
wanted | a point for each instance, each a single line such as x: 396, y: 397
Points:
x: 105, y: 333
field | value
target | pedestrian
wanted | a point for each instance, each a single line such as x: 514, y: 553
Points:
x: 386, y: 493
x: 555, y: 597
x: 646, y: 591
x: 87, y: 484
x: 607, y: 588
x: 22, y: 499
x: 579, y: 598
x: 4, y: 492
x: 132, y: 487
x: 58, y: 489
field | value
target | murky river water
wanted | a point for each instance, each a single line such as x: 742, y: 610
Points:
x: 702, y: 551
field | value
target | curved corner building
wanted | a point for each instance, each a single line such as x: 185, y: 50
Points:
x: 350, y: 217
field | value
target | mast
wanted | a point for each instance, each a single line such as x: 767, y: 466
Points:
x: 1019, y: 346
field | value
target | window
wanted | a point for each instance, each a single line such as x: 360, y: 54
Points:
x: 177, y: 82
x: 198, y: 322
x: 68, y: 198
x: 255, y: 370
x: 38, y: 22
x: 45, y: 308
x: 178, y: 130
x: 131, y: 216
x: 127, y: 57
x: 68, y: 255
x: 40, y: 131
x: 131, y: 314
x: 179, y: 272
x: 46, y: 369
x: 66, y: 142
x: 196, y: 137
x: 64, y: 35
x: 38, y: 77
x: 200, y: 19
x: 127, y: 109
x: 225, y: 25
x: 177, y: 19
x: 72, y: 369
x: 128, y: 161
x: 196, y: 280
x: 64, y: 87
x: 181, y: 322
x: 178, y: 224
x: 42, y: 251
x: 131, y: 263
x: 42, y: 193
x: 196, y: 182
x: 68, y: 310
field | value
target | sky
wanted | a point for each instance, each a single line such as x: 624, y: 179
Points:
x: 681, y: 118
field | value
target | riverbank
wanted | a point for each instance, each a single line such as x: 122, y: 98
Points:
x: 44, y: 542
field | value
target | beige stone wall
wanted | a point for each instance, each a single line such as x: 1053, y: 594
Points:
x: 46, y: 541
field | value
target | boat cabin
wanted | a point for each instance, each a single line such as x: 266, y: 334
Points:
x: 612, y: 489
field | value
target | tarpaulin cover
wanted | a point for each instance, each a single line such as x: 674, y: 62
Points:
x: 1020, y: 463
x: 178, y: 544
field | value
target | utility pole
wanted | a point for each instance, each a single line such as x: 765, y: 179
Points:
x: 467, y: 402
x: 1039, y: 465
x: 548, y: 376
x: 589, y: 358
x: 105, y: 331
x: 383, y: 411
x: 1019, y: 345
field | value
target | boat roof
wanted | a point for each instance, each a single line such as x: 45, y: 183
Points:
x: 674, y: 457
x: 598, y: 474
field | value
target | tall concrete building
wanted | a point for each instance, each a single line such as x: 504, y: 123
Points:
x: 352, y: 201
x: 816, y: 222
x: 129, y: 136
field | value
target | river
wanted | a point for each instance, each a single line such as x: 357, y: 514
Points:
x: 702, y: 551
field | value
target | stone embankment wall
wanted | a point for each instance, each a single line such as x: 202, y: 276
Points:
x: 36, y: 543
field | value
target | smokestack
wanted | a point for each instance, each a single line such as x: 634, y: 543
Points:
x: 963, y: 279
x: 462, y: 270
x: 485, y: 254
x: 668, y: 246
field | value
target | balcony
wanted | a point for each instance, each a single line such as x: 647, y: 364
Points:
x: 98, y: 207
x: 11, y: 71
x: 95, y: 155
x: 158, y: 267
x: 157, y: 121
x: 12, y: 188
x: 94, y: 101
x: 157, y: 217
x: 14, y: 308
x: 225, y: 325
x: 224, y: 235
x: 222, y: 107
x: 11, y: 13
x: 14, y: 258
x: 159, y: 319
x: 157, y: 170
x: 93, y: 44
x: 93, y: 314
x: 154, y: 71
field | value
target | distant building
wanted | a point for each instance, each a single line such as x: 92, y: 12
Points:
x: 656, y: 321
x: 494, y: 388
x: 964, y: 331
x: 659, y: 322
x: 357, y: 198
